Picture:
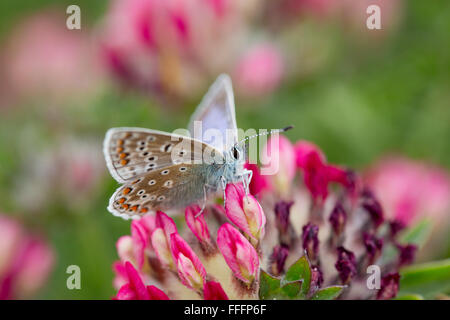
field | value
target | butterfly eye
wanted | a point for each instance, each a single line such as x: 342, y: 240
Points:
x: 236, y: 153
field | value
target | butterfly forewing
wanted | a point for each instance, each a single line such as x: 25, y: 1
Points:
x: 216, y: 112
x: 159, y: 170
x: 133, y: 152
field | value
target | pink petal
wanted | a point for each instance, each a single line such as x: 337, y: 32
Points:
x: 156, y: 294
x: 126, y: 292
x: 136, y: 283
x: 213, y: 291
x: 166, y: 223
x: 198, y: 224
x: 179, y: 246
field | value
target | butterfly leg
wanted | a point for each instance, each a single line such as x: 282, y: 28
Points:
x: 205, y: 199
x: 224, y: 185
x: 246, y: 179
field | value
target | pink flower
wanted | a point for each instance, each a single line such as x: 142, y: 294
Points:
x: 239, y: 254
x: 317, y: 174
x: 169, y: 47
x: 259, y: 70
x: 25, y: 261
x: 244, y: 211
x: 190, y: 269
x: 135, y: 288
x: 198, y: 224
x: 410, y: 190
x: 213, y: 291
x: 279, y: 155
x: 48, y: 61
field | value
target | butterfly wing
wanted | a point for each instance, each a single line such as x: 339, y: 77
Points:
x: 217, y: 111
x: 159, y: 170
x: 132, y: 152
x: 164, y: 189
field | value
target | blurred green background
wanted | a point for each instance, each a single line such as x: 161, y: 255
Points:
x: 368, y: 100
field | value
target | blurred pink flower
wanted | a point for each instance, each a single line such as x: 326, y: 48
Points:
x: 25, y: 261
x: 279, y: 153
x: 317, y: 174
x: 45, y: 59
x: 259, y: 70
x: 68, y: 171
x: 410, y: 190
x: 170, y: 47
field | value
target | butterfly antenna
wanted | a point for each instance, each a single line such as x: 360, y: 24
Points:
x: 266, y: 133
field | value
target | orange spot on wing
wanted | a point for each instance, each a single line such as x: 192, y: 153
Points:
x: 122, y: 200
x: 119, y: 149
x: 126, y: 190
x: 123, y: 155
x: 119, y: 142
x: 125, y: 206
x: 134, y: 208
x: 123, y: 162
x: 144, y: 210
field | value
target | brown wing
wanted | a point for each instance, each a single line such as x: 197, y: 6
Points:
x: 133, y: 152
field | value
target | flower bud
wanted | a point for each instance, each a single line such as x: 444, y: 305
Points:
x: 373, y: 246
x: 238, y: 253
x: 389, y: 286
x: 162, y: 249
x: 282, y: 210
x: 373, y: 207
x: 244, y: 211
x: 278, y: 259
x: 346, y: 265
x: 259, y: 183
x: 338, y: 218
x: 197, y: 224
x: 311, y: 240
x: 190, y: 269
x: 407, y: 254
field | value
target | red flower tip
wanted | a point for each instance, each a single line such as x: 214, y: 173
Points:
x: 282, y: 210
x: 407, y: 254
x: 346, y: 265
x: 311, y: 240
x: 373, y: 207
x: 389, y: 286
x: 373, y: 246
x: 213, y: 291
x: 278, y: 259
x: 338, y: 218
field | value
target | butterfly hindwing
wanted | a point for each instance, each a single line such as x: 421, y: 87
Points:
x: 168, y: 188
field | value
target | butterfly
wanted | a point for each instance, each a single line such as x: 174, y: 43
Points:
x: 165, y: 171
x: 154, y: 179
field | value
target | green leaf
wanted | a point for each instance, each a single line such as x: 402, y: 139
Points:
x: 300, y: 270
x: 328, y: 293
x: 292, y: 289
x: 427, y: 279
x: 409, y: 297
x: 269, y: 287
x: 418, y: 234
